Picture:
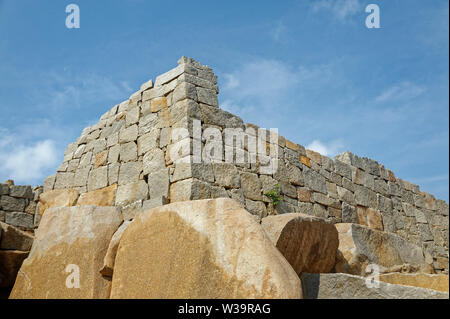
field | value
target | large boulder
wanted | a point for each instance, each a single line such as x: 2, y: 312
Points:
x: 12, y: 238
x: 437, y: 282
x: 308, y: 243
x: 360, y: 246
x: 345, y: 286
x: 200, y: 249
x: 68, y: 250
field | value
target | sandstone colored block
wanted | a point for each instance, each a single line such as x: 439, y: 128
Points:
x: 361, y: 246
x: 68, y: 240
x: 100, y: 159
x: 12, y: 238
x: 308, y: 243
x: 344, y: 286
x: 304, y: 195
x: 57, y: 198
x: 212, y: 249
x: 436, y: 282
x: 305, y: 160
x: 370, y: 217
x: 100, y: 197
x: 291, y: 145
x: 158, y: 104
x: 316, y: 157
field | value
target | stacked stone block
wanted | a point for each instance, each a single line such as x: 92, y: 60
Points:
x: 19, y: 205
x: 148, y: 146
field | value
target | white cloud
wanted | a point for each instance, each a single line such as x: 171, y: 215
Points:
x: 401, y: 91
x: 26, y: 158
x: 341, y: 9
x: 328, y: 149
x: 25, y: 163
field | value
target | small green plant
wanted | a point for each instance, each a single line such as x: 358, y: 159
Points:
x: 274, y: 195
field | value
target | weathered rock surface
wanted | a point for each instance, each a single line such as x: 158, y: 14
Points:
x: 436, y: 282
x: 211, y: 249
x: 58, y: 198
x: 12, y: 238
x: 360, y: 246
x: 67, y: 236
x: 108, y: 262
x: 345, y: 286
x: 308, y: 243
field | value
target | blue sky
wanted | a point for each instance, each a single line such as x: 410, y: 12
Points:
x: 309, y: 68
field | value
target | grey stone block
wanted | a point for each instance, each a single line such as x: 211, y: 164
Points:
x: 365, y: 197
x: 158, y: 183
x: 20, y: 219
x: 349, y: 214
x: 226, y: 175
x: 251, y: 186
x: 128, y: 152
x: 4, y: 189
x: 98, y: 178
x: 129, y: 172
x: 11, y: 204
x: 314, y: 181
x: 343, y: 169
x: 345, y: 286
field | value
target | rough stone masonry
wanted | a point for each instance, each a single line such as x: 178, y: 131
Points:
x: 142, y: 154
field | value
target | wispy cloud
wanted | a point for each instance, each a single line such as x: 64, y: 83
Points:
x: 267, y: 84
x: 341, y: 9
x: 331, y: 148
x: 401, y: 91
x: 76, y: 90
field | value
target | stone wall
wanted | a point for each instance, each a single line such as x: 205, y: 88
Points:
x: 19, y: 205
x: 19, y: 215
x: 171, y: 142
